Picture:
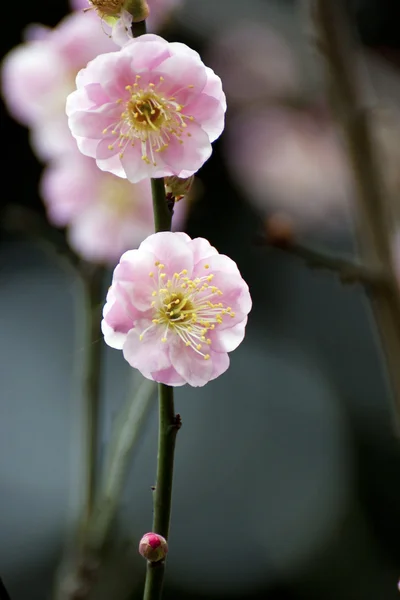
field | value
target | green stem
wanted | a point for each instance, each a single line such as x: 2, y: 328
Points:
x: 169, y: 424
x: 92, y: 382
x: 154, y: 580
x: 162, y: 212
x: 168, y: 428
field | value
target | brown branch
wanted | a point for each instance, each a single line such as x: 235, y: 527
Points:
x: 347, y: 270
x: 334, y: 40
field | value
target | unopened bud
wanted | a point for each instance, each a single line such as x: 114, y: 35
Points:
x: 177, y: 188
x: 107, y: 8
x: 153, y: 547
x: 139, y: 9
x: 279, y: 229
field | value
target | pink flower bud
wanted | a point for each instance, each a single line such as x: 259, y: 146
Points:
x: 153, y: 547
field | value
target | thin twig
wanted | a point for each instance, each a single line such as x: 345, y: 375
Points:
x: 348, y: 271
x: 169, y: 424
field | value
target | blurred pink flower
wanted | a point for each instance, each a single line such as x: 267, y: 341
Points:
x: 149, y: 110
x: 37, y: 77
x: 176, y: 308
x: 105, y: 215
x: 291, y: 162
x: 255, y: 63
x: 160, y: 10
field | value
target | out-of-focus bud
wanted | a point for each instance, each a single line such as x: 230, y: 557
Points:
x: 106, y: 8
x: 139, y: 9
x: 153, y: 547
x: 280, y: 229
x: 177, y: 188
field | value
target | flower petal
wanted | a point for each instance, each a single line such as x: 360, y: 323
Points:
x: 134, y: 271
x: 187, y: 154
x: 168, y: 377
x: 171, y: 250
x: 118, y: 320
x: 220, y: 363
x: 202, y: 250
x: 213, y: 87
x: 148, y: 354
x: 227, y: 340
x: 209, y: 112
x: 190, y: 365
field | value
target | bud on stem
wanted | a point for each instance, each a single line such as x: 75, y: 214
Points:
x: 153, y: 547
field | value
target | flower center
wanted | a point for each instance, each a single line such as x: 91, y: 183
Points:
x: 150, y: 119
x: 145, y: 112
x: 187, y: 308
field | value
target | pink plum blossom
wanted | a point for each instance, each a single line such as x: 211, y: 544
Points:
x: 105, y: 215
x: 160, y: 10
x: 290, y: 162
x: 37, y: 77
x: 151, y: 109
x: 176, y: 307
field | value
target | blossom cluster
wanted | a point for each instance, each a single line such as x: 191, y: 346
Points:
x: 103, y: 214
x: 145, y: 109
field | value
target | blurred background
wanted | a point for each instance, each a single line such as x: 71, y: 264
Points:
x: 287, y: 478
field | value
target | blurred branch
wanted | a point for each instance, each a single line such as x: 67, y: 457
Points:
x: 347, y: 270
x: 93, y: 286
x: 19, y: 220
x: 79, y: 582
x: 334, y: 41
x: 127, y: 430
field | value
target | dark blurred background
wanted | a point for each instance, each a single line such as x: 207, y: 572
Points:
x: 287, y: 477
